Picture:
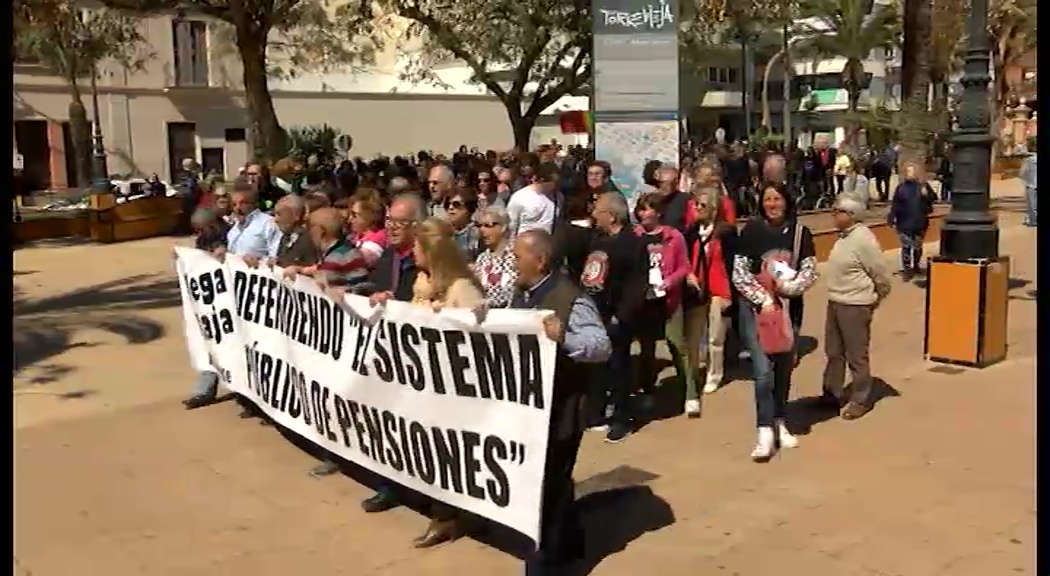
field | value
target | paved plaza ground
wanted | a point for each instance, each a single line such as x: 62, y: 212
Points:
x: 113, y: 477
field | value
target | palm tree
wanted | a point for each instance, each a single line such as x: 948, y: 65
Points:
x: 850, y: 29
x: 916, y: 65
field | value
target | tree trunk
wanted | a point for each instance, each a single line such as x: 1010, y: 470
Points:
x: 267, y: 138
x: 852, y: 126
x: 939, y: 101
x: 915, y: 83
x: 80, y: 132
x: 521, y: 124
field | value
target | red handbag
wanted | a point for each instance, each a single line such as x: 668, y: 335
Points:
x: 773, y: 326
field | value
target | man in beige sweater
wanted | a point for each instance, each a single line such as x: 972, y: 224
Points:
x: 857, y: 281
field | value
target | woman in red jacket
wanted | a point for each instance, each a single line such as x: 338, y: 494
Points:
x: 708, y: 293
x: 661, y: 315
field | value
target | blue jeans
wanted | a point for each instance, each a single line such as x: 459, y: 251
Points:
x: 207, y: 384
x: 911, y: 251
x: 1030, y: 212
x: 620, y: 374
x: 772, y: 372
x: 946, y: 191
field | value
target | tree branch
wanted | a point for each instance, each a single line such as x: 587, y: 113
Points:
x: 449, y: 41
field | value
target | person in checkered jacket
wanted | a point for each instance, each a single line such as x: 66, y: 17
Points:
x: 496, y: 267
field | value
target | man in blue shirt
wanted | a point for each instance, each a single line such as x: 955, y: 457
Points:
x: 253, y: 234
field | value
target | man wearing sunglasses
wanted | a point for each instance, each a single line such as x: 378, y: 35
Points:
x: 440, y: 181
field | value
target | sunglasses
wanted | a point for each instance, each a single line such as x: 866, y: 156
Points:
x: 456, y: 204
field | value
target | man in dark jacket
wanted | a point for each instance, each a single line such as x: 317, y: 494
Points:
x: 391, y: 278
x: 582, y: 342
x: 615, y: 276
x: 295, y: 249
x: 675, y: 202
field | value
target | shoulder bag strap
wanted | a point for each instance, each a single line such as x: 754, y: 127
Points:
x: 796, y: 244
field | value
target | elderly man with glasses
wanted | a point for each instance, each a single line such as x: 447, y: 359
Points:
x: 392, y: 278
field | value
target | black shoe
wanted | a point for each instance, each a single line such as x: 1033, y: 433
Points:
x: 618, y: 433
x: 198, y: 401
x: 380, y: 502
x: 326, y: 468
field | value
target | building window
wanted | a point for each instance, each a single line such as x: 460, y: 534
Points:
x: 191, y: 52
x: 717, y: 75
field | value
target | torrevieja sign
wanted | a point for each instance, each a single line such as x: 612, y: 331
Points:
x: 635, y: 56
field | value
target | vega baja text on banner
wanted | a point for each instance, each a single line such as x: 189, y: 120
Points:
x: 456, y: 411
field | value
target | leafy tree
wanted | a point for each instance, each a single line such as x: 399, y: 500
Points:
x: 527, y: 53
x: 324, y: 141
x: 304, y: 34
x: 71, y: 43
x: 844, y: 28
x: 1012, y: 28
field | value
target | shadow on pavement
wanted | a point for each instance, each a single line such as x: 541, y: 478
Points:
x: 806, y: 412
x: 45, y: 327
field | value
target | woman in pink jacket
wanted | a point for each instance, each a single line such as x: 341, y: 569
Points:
x: 661, y: 315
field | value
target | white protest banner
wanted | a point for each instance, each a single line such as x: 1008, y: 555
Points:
x: 432, y: 401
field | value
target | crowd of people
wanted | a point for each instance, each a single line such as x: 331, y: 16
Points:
x: 549, y: 230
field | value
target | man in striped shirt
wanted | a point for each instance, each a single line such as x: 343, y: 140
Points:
x: 340, y: 263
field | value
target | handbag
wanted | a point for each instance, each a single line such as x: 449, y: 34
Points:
x: 775, y: 334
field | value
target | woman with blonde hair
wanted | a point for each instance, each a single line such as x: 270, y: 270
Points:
x: 709, y: 174
x: 710, y: 243
x: 445, y: 280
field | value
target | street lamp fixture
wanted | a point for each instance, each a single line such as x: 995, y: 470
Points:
x: 100, y: 177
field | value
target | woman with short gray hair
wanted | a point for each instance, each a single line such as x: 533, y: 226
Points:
x: 496, y: 267
x: 857, y: 282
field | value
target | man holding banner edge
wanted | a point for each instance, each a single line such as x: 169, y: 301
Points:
x: 578, y: 329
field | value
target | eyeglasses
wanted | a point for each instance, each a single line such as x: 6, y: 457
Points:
x: 484, y: 180
x: 596, y: 173
x: 488, y: 224
x: 399, y: 222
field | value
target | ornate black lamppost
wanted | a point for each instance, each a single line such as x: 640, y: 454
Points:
x: 970, y: 230
x: 100, y: 174
x: 967, y: 287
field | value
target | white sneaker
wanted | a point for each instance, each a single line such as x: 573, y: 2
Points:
x: 599, y: 428
x: 784, y: 436
x: 692, y: 408
x: 764, y: 447
x: 710, y: 387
